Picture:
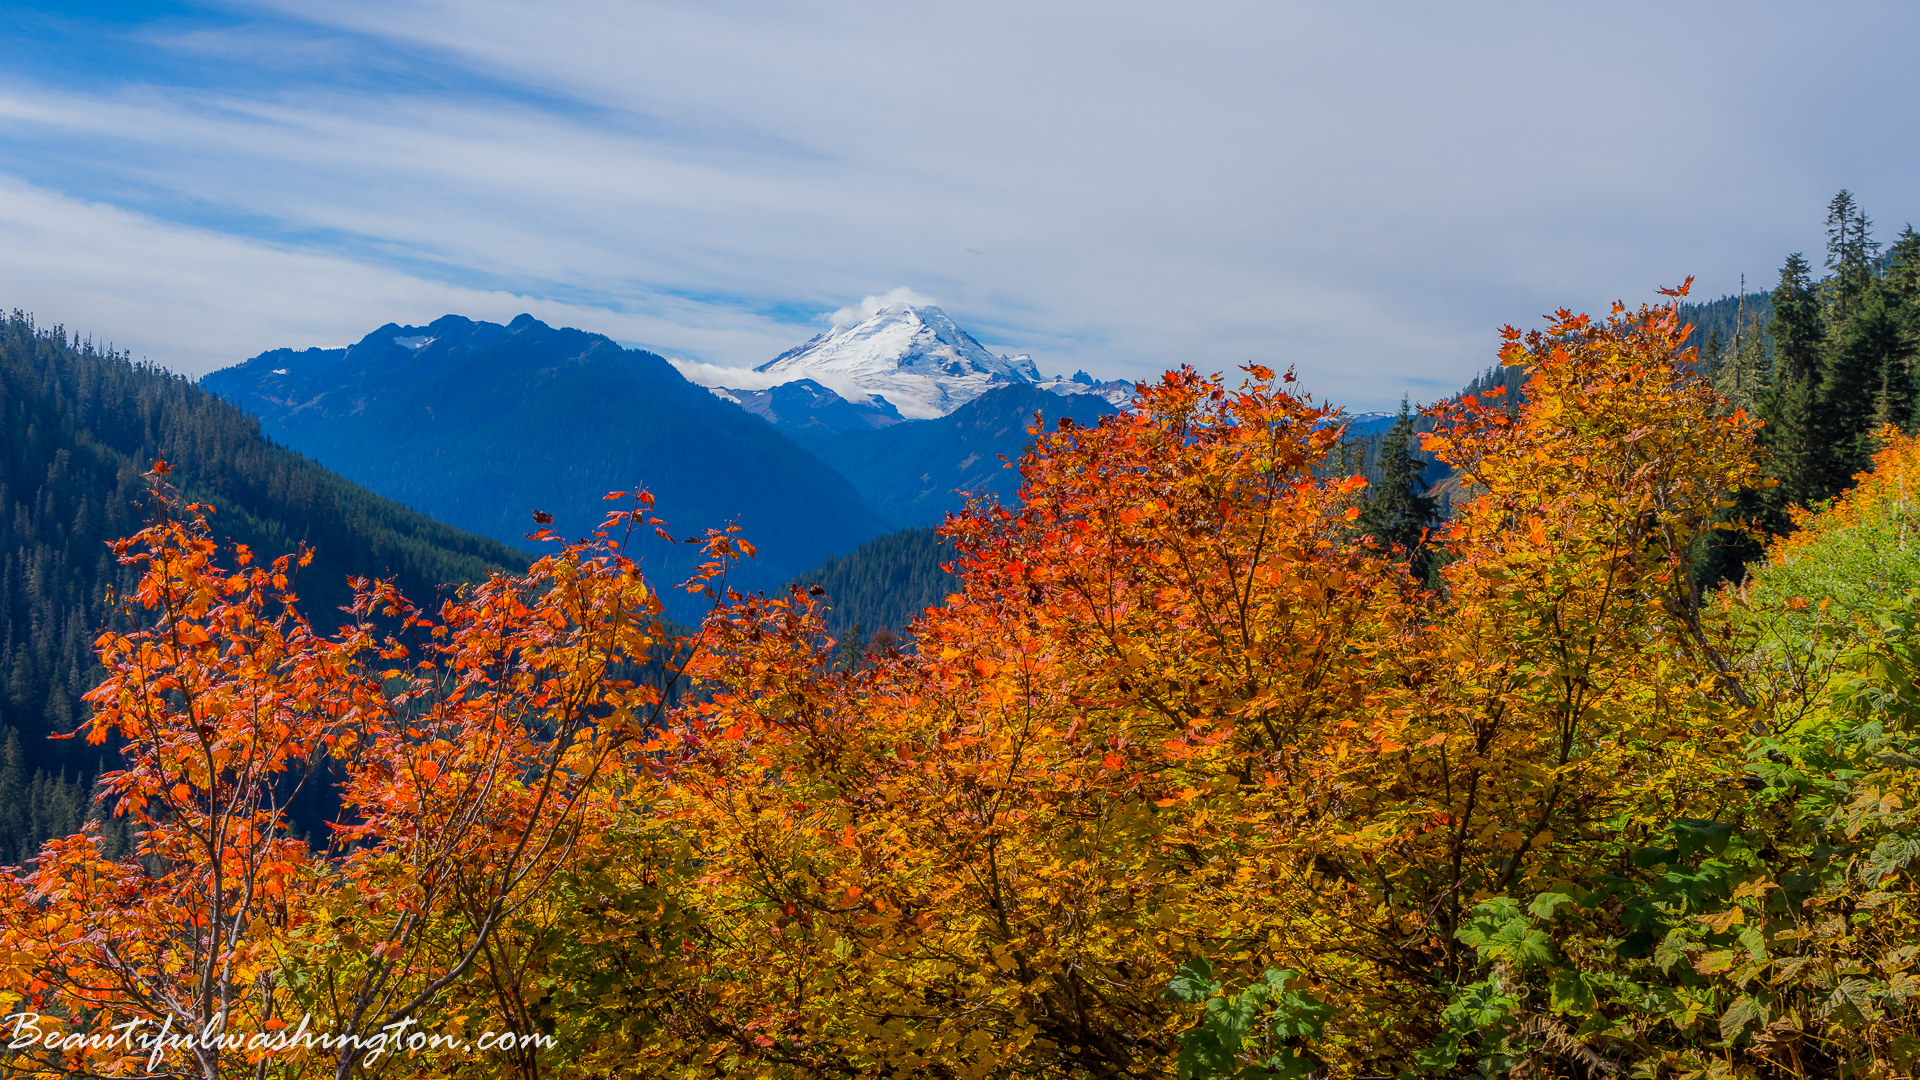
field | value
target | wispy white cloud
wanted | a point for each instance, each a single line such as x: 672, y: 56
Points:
x: 195, y: 300
x: 868, y: 307
x: 1365, y: 193
x: 742, y: 378
x: 733, y: 378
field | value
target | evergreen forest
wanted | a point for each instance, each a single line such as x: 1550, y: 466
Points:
x: 79, y: 426
x: 884, y: 584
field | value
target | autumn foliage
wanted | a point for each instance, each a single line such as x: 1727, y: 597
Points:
x: 1191, y: 776
x: 1183, y: 710
x: 468, y: 743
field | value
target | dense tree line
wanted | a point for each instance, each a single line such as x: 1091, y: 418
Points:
x: 1826, y: 360
x: 884, y: 584
x: 79, y: 426
x: 1841, y: 359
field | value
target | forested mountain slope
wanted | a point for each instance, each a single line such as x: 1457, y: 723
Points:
x: 480, y: 424
x: 885, y: 583
x: 78, y: 428
x: 1715, y: 322
x: 915, y: 473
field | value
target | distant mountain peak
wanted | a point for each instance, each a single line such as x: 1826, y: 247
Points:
x: 914, y: 356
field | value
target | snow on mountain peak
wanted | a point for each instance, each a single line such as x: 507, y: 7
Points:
x: 912, y: 355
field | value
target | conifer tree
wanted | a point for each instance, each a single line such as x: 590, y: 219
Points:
x: 14, y: 811
x: 1858, y: 385
x: 1882, y: 333
x: 1866, y: 372
x: 1742, y: 373
x: 1850, y: 253
x: 1799, y: 339
x: 1902, y: 284
x: 1399, y: 511
x: 1713, y: 355
x: 1903, y: 268
x: 1742, y: 377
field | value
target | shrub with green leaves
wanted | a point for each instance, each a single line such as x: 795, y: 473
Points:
x: 1257, y: 1034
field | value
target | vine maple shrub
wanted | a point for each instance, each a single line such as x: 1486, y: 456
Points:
x: 469, y: 742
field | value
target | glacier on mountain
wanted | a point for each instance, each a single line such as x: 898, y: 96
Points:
x: 916, y: 358
x: 899, y: 360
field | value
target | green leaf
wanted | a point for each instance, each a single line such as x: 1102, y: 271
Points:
x: 1746, y: 1011
x: 1499, y: 931
x: 1671, y: 950
x: 1696, y: 835
x: 1285, y: 1065
x: 1543, y: 906
x: 1647, y: 857
x: 1714, y: 962
x: 1300, y: 1016
x: 1572, y: 994
x: 1192, y: 983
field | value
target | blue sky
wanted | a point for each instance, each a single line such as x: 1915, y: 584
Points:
x: 1363, y: 191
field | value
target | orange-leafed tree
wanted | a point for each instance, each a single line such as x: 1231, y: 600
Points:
x: 986, y: 857
x: 1573, y: 675
x: 1183, y: 708
x: 466, y: 743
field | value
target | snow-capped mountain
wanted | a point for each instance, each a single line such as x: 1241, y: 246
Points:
x: 915, y: 357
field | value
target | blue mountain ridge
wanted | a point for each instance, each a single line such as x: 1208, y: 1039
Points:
x: 479, y: 424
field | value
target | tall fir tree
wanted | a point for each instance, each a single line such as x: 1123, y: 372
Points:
x: 1799, y: 342
x: 1902, y: 284
x: 1840, y: 367
x: 1882, y: 330
x: 1858, y: 385
x: 1850, y: 254
x: 1866, y: 372
x: 1400, y: 511
x: 1713, y: 354
x: 1903, y: 268
x: 1742, y: 376
x: 15, y: 834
